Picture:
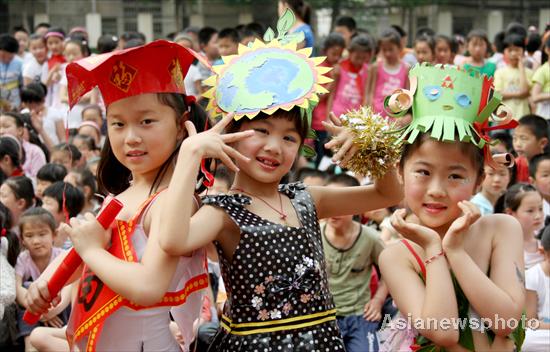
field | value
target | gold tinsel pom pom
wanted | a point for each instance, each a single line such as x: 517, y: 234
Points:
x: 378, y: 149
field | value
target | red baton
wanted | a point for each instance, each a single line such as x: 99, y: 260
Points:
x: 72, y: 261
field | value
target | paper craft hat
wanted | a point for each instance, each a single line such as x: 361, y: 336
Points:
x: 265, y: 77
x: 450, y: 104
x: 158, y: 67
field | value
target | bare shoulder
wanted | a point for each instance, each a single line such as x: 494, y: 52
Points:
x: 397, y: 255
x: 498, y: 226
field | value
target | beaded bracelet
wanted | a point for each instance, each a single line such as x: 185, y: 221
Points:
x: 429, y: 260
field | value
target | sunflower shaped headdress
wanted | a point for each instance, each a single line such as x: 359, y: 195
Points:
x: 451, y: 104
x: 268, y: 75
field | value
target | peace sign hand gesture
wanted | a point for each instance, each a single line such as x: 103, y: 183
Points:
x: 213, y: 144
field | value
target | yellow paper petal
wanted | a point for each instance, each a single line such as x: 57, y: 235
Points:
x: 209, y: 93
x: 210, y: 81
x: 322, y: 79
x: 306, y: 51
x: 320, y: 89
x: 318, y: 60
x: 227, y: 59
x: 323, y: 69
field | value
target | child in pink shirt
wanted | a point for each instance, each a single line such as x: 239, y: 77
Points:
x: 388, y: 74
x: 351, y: 76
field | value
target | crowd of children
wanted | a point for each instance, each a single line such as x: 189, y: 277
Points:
x: 321, y: 263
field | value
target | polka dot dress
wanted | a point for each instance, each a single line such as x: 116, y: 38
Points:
x: 278, y: 297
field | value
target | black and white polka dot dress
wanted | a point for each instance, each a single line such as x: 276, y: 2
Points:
x: 278, y: 297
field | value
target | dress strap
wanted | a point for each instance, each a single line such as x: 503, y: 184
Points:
x: 144, y: 206
x: 416, y: 256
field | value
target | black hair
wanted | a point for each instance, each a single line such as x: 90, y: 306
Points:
x: 504, y: 138
x: 498, y: 41
x: 34, y: 136
x: 545, y: 239
x: 481, y: 34
x: 253, y: 29
x: 88, y: 140
x: 514, y: 195
x: 22, y: 188
x: 224, y: 174
x: 205, y: 34
x: 300, y: 8
x: 82, y: 44
x: 517, y: 29
x: 474, y: 153
x: 9, y: 43
x: 107, y: 43
x: 426, y: 39
x: 513, y: 40
x: 304, y: 172
x: 129, y: 35
x: 334, y: 40
x: 536, y: 124
x: 113, y: 177
x: 344, y: 179
x: 42, y: 24
x: 56, y: 29
x: 9, y: 147
x: 20, y: 29
x: 451, y: 42
x: 422, y: 31
x: 348, y: 22
x: 74, y: 198
x: 133, y: 43
x: 6, y: 223
x: 34, y: 92
x: 544, y: 56
x: 51, y: 172
x: 34, y: 214
x: 535, y: 161
x: 390, y: 35
x: 230, y: 33
x: 534, y: 42
x: 362, y: 42
x: 35, y: 36
x: 399, y: 30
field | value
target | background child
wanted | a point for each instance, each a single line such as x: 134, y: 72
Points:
x: 537, y: 283
x: 85, y: 181
x: 493, y: 186
x: 424, y: 49
x: 530, y: 138
x: 350, y: 77
x: 228, y: 43
x: 10, y: 156
x: 67, y: 155
x: 32, y: 71
x: 351, y: 250
x: 12, y: 79
x: 541, y: 85
x: 52, y: 68
x: 478, y: 47
x: 524, y: 202
x: 513, y: 81
x: 94, y: 113
x: 12, y: 123
x: 387, y: 74
x: 86, y: 146
x: 333, y: 47
x: 37, y: 228
x: 17, y: 194
x: 539, y: 172
x: 63, y: 201
x: 48, y: 174
x: 445, y: 49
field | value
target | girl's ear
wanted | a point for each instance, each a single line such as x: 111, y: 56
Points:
x: 509, y: 211
x: 400, y: 173
x: 182, y: 131
x: 20, y: 203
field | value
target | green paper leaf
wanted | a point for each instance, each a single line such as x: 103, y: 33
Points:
x: 285, y: 22
x: 307, y: 151
x: 297, y: 37
x: 269, y: 35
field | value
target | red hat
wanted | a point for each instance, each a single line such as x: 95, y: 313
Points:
x: 158, y: 67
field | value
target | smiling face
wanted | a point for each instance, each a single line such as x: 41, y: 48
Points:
x: 272, y: 149
x: 526, y: 143
x: 143, y: 132
x: 436, y: 176
x: 529, y: 213
x: 37, y: 47
x: 37, y: 237
x: 495, y: 181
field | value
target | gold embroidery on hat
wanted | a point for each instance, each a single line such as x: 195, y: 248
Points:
x: 122, y: 76
x: 77, y: 91
x: 177, y: 73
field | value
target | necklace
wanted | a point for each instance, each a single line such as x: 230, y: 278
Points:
x: 282, y: 214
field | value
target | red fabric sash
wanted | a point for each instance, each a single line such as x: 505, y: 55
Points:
x: 96, y: 301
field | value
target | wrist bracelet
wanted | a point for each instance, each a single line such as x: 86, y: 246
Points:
x: 429, y: 260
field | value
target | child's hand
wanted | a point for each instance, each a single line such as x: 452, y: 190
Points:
x: 342, y: 140
x: 454, y: 238
x: 422, y: 235
x: 373, y: 310
x: 37, y: 298
x: 54, y: 322
x: 86, y: 234
x: 213, y: 144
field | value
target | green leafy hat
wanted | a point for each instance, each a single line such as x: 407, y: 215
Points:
x: 267, y: 76
x: 450, y: 104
